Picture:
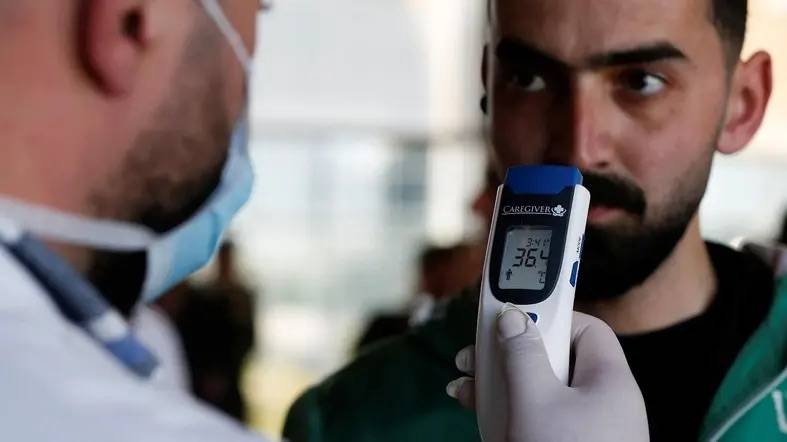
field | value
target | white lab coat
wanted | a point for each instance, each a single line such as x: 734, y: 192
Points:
x: 156, y: 331
x: 57, y: 384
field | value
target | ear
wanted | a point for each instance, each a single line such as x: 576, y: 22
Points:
x: 750, y: 92
x: 114, y: 36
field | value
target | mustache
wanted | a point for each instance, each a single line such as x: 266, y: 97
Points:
x: 616, y: 192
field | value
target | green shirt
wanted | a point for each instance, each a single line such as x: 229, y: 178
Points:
x: 396, y: 391
x: 751, y: 403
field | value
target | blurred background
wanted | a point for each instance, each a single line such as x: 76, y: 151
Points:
x: 367, y: 139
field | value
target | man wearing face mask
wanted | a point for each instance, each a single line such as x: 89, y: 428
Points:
x: 123, y: 138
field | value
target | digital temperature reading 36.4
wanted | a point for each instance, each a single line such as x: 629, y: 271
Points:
x: 525, y: 258
x: 532, y: 264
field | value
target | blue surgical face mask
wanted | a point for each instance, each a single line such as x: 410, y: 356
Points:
x: 171, y: 256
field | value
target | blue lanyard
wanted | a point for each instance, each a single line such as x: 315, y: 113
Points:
x: 83, y: 305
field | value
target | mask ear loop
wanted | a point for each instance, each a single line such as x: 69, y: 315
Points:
x: 46, y: 223
x: 213, y: 9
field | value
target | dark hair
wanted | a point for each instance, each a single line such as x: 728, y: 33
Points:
x: 432, y: 256
x: 783, y: 236
x: 729, y: 17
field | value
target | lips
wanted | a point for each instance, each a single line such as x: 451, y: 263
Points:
x: 601, y: 213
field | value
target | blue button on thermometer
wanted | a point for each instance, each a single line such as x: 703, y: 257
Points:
x: 532, y: 261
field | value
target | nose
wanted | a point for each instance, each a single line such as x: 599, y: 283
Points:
x: 580, y: 128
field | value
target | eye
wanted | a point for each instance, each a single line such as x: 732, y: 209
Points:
x: 528, y: 81
x: 643, y: 83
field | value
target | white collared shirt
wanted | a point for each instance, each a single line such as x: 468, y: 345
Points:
x: 58, y: 384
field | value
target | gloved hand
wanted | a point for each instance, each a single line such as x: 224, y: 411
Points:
x: 602, y: 404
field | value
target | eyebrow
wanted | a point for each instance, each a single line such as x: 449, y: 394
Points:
x: 639, y: 55
x: 517, y: 53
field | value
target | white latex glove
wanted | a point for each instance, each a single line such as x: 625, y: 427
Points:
x: 603, y: 403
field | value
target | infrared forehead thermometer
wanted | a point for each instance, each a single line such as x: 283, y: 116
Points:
x: 532, y: 262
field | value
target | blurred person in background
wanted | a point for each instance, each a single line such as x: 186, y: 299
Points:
x: 123, y: 135
x: 640, y: 95
x: 434, y: 268
x: 442, y: 272
x: 445, y: 271
x: 774, y: 252
x: 215, y: 321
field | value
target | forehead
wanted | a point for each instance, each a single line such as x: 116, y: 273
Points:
x: 573, y: 29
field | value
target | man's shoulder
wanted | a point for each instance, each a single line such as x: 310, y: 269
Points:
x: 394, y: 390
x: 423, y: 355
x: 414, y: 357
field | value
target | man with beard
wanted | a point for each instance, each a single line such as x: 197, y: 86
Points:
x: 124, y: 156
x: 640, y: 95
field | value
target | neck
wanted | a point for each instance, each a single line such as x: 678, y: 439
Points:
x: 79, y: 258
x: 681, y: 288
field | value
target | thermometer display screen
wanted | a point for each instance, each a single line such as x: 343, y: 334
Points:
x: 525, y: 258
